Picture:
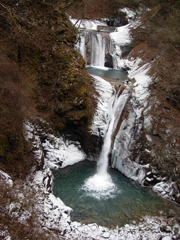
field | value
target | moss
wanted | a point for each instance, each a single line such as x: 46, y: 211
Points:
x: 3, y: 145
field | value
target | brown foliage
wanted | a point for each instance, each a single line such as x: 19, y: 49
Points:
x: 160, y: 30
x: 41, y: 75
x: 13, y: 104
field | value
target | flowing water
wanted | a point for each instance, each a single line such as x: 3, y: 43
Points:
x: 101, y: 183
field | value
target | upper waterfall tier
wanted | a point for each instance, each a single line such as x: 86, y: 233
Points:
x: 96, y: 48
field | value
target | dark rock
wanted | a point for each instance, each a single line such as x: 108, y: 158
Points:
x: 108, y: 60
x: 117, y: 21
x: 166, y: 229
x: 126, y: 69
x: 126, y: 50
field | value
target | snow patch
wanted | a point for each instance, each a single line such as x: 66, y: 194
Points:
x: 121, y: 36
x: 6, y: 177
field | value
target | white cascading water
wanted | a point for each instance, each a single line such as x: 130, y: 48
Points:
x: 96, y: 43
x: 101, y: 185
x: 98, y: 50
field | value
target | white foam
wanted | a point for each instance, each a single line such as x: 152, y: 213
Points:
x: 100, y: 186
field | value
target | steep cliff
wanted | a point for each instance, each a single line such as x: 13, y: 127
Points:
x: 42, y: 76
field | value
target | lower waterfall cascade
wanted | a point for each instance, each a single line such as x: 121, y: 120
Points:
x: 101, y: 182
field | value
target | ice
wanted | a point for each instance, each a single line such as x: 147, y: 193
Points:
x: 101, y: 116
x: 167, y: 238
x: 129, y: 168
x: 121, y: 36
x: 56, y: 151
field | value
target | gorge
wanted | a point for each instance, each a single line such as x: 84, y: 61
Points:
x: 84, y: 156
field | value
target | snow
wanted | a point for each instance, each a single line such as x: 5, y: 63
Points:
x: 5, y: 235
x: 167, y: 238
x: 121, y: 36
x: 16, y: 210
x: 142, y: 82
x: 6, y: 177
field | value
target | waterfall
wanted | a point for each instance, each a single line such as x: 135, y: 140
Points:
x: 98, y: 50
x: 101, y: 185
x: 94, y: 46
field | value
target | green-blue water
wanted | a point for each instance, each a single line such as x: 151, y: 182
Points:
x: 129, y: 202
x: 113, y: 74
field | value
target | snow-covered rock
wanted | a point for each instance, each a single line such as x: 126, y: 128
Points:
x: 6, y: 177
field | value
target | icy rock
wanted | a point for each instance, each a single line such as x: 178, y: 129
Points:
x: 129, y: 13
x: 165, y: 189
x: 60, y: 153
x: 102, y: 114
